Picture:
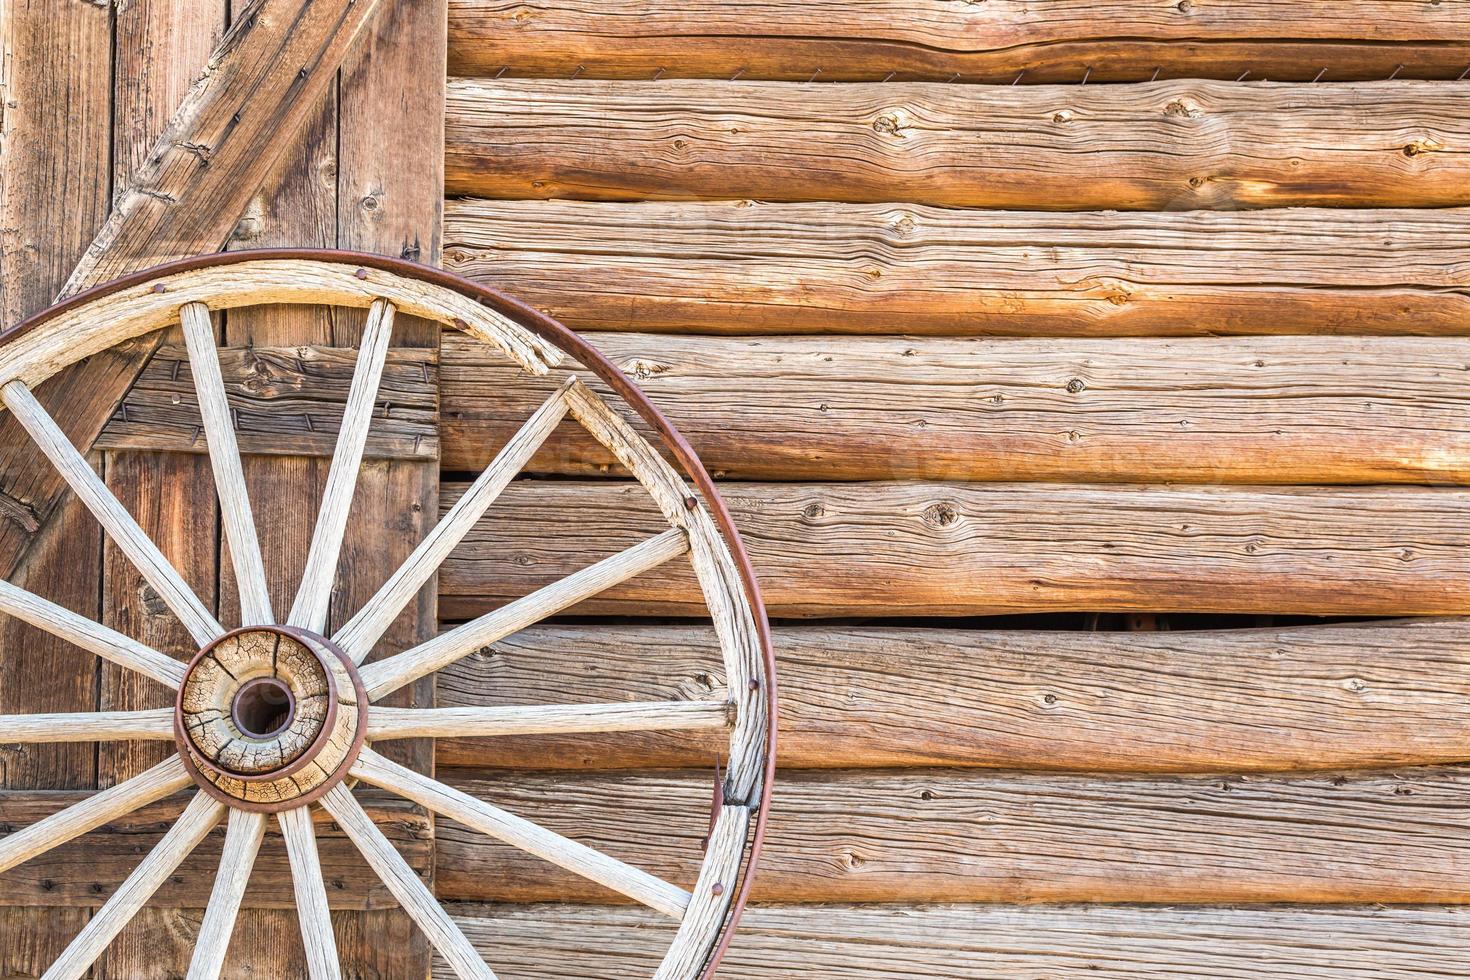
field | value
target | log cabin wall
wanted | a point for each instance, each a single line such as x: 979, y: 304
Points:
x: 1087, y: 381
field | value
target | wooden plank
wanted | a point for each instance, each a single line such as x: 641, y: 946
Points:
x: 1054, y: 41
x: 1323, y: 697
x: 930, y: 549
x: 1259, y: 410
x: 56, y: 88
x: 85, y: 871
x: 391, y: 200
x: 986, y: 942
x: 1395, y: 837
x: 1168, y: 146
x: 286, y: 401
x: 746, y: 267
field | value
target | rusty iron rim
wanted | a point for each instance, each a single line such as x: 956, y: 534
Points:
x: 562, y: 336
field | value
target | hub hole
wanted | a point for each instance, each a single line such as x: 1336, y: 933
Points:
x: 263, y: 708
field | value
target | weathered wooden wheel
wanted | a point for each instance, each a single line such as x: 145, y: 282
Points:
x: 275, y: 716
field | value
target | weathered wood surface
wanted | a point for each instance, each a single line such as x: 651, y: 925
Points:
x: 1394, y: 837
x: 1169, y: 146
x: 930, y: 549
x: 984, y: 942
x: 158, y: 945
x: 186, y: 194
x: 1326, y: 697
x: 85, y: 871
x: 744, y: 267
x: 285, y: 400
x: 1057, y: 41
x: 1259, y: 410
x: 56, y: 89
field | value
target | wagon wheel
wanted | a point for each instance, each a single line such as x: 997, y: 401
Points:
x: 277, y: 716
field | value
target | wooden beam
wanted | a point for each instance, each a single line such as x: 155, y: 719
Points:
x: 1258, y: 410
x: 995, y: 942
x: 746, y: 267
x: 287, y: 401
x: 86, y: 870
x: 185, y: 196
x: 921, y: 835
x: 1168, y: 146
x: 1056, y: 41
x: 930, y: 549
x: 1323, y: 697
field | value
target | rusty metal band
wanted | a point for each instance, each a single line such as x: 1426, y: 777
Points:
x: 554, y: 331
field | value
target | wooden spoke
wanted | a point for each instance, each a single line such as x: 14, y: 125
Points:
x: 242, y: 841
x: 197, y: 820
x: 387, y: 676
x: 95, y: 638
x: 311, y: 895
x: 367, y: 627
x: 315, y: 594
x: 113, y: 517
x: 411, y: 893
x: 551, y: 719
x: 147, y: 787
x: 88, y: 726
x: 224, y: 459
x: 518, y: 832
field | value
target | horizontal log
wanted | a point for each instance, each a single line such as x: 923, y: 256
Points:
x: 1324, y: 697
x: 1165, y: 146
x: 1238, y: 410
x: 286, y: 401
x: 1056, y: 41
x: 929, y: 549
x: 986, y: 942
x: 1397, y: 837
x: 87, y: 870
x: 743, y: 267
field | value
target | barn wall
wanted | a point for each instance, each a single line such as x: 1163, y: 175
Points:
x: 1057, y: 416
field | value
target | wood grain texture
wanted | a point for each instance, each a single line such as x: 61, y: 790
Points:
x: 123, y: 530
x: 193, y: 825
x: 1164, y: 146
x: 526, y: 836
x: 1055, y: 41
x: 930, y: 549
x: 1258, y: 410
x: 417, y: 901
x: 56, y: 107
x: 986, y: 942
x: 157, y: 945
x: 287, y: 401
x: 86, y: 870
x: 566, y: 592
x: 276, y: 59
x: 746, y: 267
x: 173, y: 495
x: 188, y: 193
x: 950, y: 835
x: 1327, y: 697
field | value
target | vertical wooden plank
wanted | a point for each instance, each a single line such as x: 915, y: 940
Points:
x: 55, y: 112
x: 391, y: 200
x: 162, y: 47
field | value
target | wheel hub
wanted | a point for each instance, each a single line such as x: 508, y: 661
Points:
x: 270, y: 717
